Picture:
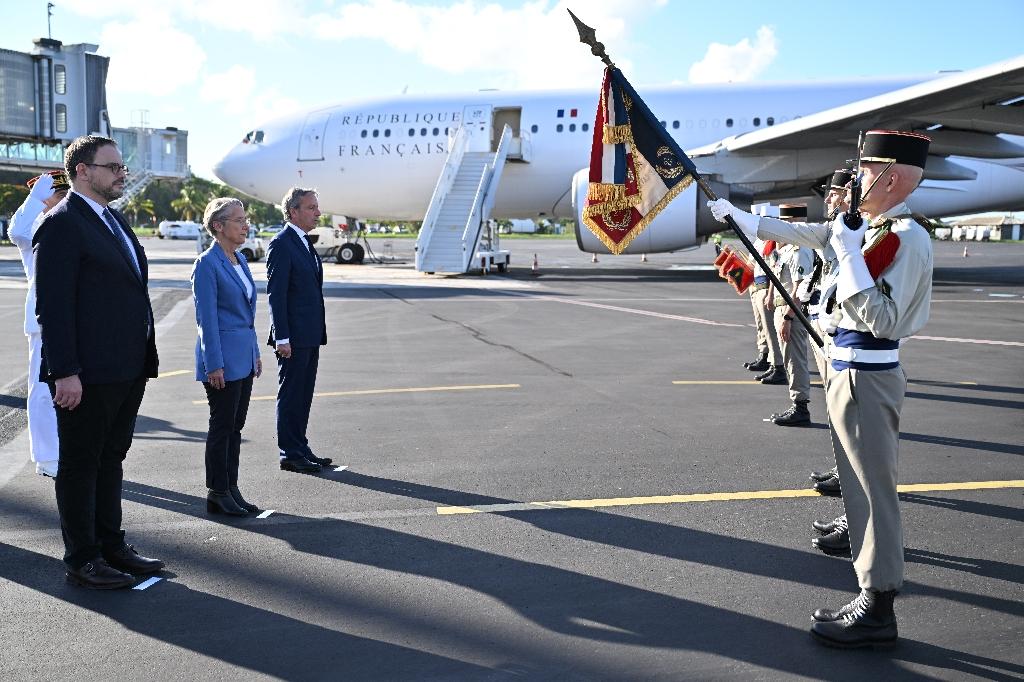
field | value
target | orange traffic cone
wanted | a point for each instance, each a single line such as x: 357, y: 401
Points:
x: 535, y: 268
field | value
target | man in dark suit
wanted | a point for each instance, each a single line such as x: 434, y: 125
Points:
x: 295, y: 279
x: 94, y: 311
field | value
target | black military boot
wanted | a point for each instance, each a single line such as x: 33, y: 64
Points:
x: 774, y: 375
x: 798, y: 415
x: 869, y: 620
x: 829, y: 487
x: 759, y: 365
x: 825, y: 475
x: 836, y: 543
x: 826, y: 527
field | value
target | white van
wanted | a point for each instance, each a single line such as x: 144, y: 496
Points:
x: 253, y: 249
x: 178, y: 229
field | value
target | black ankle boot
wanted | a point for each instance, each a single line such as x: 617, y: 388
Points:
x: 758, y: 365
x: 836, y: 543
x: 825, y: 475
x: 774, y: 375
x: 221, y: 502
x: 236, y: 495
x: 826, y: 527
x: 797, y: 415
x: 869, y: 620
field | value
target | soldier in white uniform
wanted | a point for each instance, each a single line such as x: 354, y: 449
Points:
x: 795, y: 264
x: 45, y: 192
x: 882, y: 294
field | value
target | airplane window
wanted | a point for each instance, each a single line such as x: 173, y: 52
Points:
x: 387, y: 133
x: 248, y: 137
x: 412, y: 131
x: 376, y: 133
x: 728, y: 123
x: 436, y: 131
x: 664, y: 124
x: 770, y: 121
x: 675, y: 125
x: 362, y: 134
x: 259, y: 136
x: 585, y: 127
x: 757, y: 120
x: 446, y: 131
x: 423, y: 131
x: 534, y: 128
x: 558, y: 127
x: 572, y: 127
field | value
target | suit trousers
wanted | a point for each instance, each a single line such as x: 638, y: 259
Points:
x: 228, y: 409
x: 42, y: 419
x: 794, y: 356
x: 296, y: 380
x: 766, y: 321
x: 94, y: 440
x: 864, y: 411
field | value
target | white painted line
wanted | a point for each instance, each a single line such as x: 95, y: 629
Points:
x: 1004, y: 295
x: 266, y: 513
x: 986, y: 342
x: 634, y: 311
x: 341, y: 468
x: 147, y: 584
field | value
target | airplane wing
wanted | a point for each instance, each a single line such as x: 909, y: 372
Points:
x: 966, y: 114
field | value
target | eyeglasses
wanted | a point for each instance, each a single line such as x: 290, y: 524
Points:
x: 244, y: 220
x: 114, y: 168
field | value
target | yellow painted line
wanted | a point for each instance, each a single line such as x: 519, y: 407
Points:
x: 384, y: 391
x: 175, y: 373
x: 741, y: 382
x: 708, y: 497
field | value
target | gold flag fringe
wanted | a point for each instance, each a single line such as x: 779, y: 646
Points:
x: 617, y: 249
x: 605, y: 191
x: 618, y: 135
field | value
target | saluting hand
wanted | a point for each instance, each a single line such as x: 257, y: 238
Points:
x: 216, y: 378
x: 68, y: 393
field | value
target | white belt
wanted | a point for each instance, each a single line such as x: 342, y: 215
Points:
x: 875, y: 357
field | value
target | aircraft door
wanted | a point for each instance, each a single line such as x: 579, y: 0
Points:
x: 510, y: 116
x: 476, y: 119
x: 311, y: 141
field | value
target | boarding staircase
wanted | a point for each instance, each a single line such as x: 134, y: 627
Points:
x: 450, y: 237
x: 134, y: 185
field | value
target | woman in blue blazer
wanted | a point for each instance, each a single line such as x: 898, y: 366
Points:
x: 227, y: 354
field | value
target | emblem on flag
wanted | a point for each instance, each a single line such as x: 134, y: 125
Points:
x: 636, y: 168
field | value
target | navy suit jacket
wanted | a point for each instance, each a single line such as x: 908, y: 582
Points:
x: 295, y: 291
x: 225, y: 316
x: 93, y: 307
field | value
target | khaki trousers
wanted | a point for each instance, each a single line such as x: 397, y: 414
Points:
x: 766, y: 322
x: 864, y: 413
x: 794, y: 355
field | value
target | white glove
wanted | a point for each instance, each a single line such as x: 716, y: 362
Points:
x: 854, y: 276
x: 43, y: 188
x: 747, y: 222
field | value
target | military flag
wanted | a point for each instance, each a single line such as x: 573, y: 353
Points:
x: 636, y: 168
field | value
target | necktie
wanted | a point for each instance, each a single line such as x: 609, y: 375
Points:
x: 122, y: 240
x: 312, y: 252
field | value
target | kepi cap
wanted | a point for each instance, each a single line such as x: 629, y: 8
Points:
x: 895, y: 146
x: 60, y: 180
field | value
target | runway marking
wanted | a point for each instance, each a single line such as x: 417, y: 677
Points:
x: 731, y: 382
x: 340, y: 468
x: 175, y: 373
x: 145, y: 585
x: 385, y: 391
x: 706, y: 497
x: 634, y: 311
x: 986, y: 342
x: 266, y: 513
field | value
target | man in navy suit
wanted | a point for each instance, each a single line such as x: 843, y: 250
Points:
x: 98, y: 351
x: 298, y: 327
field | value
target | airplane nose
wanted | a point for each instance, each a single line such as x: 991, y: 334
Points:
x: 227, y: 169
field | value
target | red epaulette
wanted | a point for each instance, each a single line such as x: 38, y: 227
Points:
x: 769, y: 246
x: 881, y: 253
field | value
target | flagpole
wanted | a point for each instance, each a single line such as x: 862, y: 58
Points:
x: 589, y: 37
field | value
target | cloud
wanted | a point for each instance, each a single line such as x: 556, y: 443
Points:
x: 236, y: 92
x: 144, y: 61
x: 518, y: 45
x: 740, y: 62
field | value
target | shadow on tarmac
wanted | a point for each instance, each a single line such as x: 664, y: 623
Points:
x: 147, y: 427
x: 966, y: 443
x: 997, y: 511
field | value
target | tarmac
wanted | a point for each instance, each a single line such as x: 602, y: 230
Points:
x: 554, y: 476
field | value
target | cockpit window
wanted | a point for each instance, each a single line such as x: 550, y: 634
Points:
x: 259, y: 137
x: 253, y: 137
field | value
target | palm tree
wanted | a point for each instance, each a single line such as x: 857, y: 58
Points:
x: 192, y: 202
x: 136, y: 205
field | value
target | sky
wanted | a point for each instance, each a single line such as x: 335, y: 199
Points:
x: 218, y: 68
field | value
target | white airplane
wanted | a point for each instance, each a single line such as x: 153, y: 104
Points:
x: 381, y: 158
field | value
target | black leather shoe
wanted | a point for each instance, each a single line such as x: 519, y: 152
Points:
x: 299, y: 465
x: 797, y: 415
x: 98, y: 575
x: 221, y: 502
x: 836, y: 543
x: 322, y: 461
x: 825, y: 475
x: 128, y: 560
x: 236, y: 495
x: 867, y: 621
x: 829, y: 487
x: 758, y: 365
x: 826, y: 527
x: 774, y: 376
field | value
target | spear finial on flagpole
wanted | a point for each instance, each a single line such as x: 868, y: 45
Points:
x: 589, y: 37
